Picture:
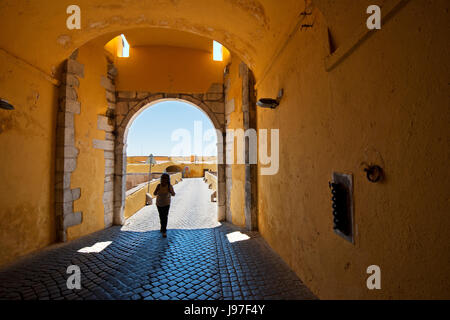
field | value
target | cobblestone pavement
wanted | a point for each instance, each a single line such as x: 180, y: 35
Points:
x: 197, y: 261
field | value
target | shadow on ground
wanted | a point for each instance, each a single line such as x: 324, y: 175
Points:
x: 199, y: 264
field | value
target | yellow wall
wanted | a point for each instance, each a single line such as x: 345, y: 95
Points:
x: 142, y: 159
x: 250, y: 28
x: 168, y: 69
x: 89, y: 174
x: 386, y: 103
x: 114, y: 47
x: 196, y: 170
x: 27, y: 136
x: 211, y: 179
x: 136, y: 201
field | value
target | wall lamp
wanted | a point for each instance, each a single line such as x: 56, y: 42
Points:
x: 6, y: 105
x: 270, y: 103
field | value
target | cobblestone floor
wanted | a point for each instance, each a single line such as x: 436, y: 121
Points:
x: 197, y: 261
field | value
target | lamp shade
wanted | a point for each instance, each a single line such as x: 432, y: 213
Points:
x: 6, y: 105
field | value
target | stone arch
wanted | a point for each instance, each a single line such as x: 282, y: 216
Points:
x: 173, y: 168
x: 211, y: 102
x: 128, y: 107
x: 132, y: 104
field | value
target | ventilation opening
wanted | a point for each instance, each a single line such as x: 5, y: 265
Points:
x: 217, y: 51
x: 119, y: 47
x: 125, y: 47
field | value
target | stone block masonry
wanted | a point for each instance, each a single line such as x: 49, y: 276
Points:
x: 107, y: 124
x: 66, y: 152
x: 249, y: 117
x: 128, y: 103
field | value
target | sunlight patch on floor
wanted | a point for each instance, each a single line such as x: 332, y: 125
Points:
x: 98, y: 247
x: 237, y: 236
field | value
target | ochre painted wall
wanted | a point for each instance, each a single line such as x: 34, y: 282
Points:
x: 168, y: 69
x: 27, y: 164
x: 136, y: 201
x: 386, y: 103
x: 196, y: 170
x: 250, y: 28
x: 90, y: 172
x: 142, y: 159
x: 344, y: 17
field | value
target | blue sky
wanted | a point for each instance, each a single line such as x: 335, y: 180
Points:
x: 152, y: 130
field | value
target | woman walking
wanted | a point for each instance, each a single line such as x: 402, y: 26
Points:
x: 164, y: 192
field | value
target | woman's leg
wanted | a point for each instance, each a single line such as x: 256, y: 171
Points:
x: 163, y: 216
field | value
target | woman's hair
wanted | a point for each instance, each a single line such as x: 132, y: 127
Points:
x: 165, y: 176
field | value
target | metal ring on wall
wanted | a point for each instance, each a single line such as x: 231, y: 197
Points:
x: 374, y: 173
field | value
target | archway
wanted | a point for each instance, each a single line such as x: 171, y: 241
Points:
x: 134, y: 106
x: 174, y: 169
x: 122, y: 107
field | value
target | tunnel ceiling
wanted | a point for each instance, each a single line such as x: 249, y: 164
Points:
x: 35, y: 31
